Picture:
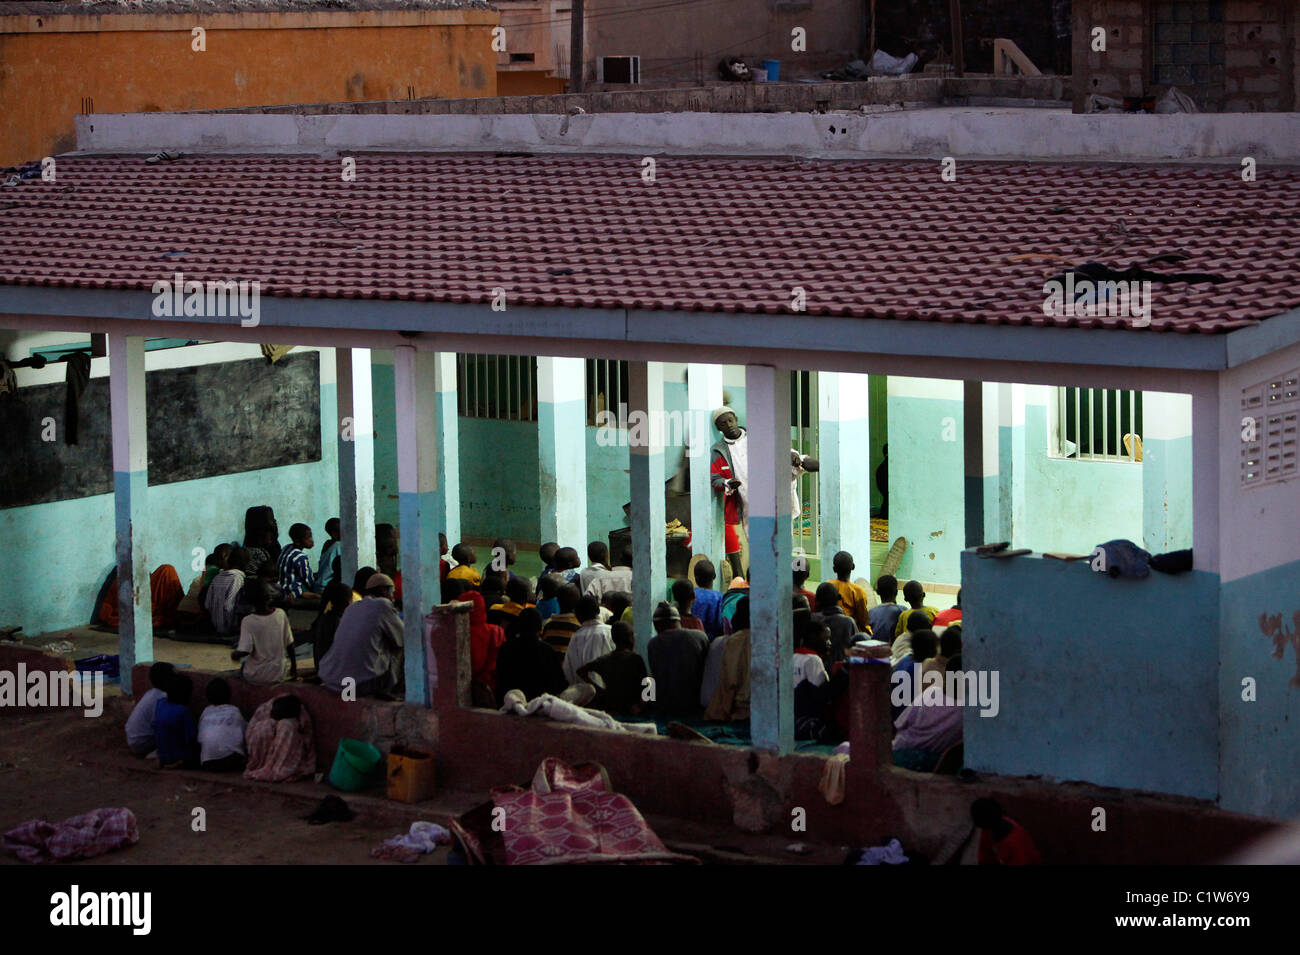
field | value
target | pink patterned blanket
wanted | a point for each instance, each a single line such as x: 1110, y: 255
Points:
x: 570, y: 816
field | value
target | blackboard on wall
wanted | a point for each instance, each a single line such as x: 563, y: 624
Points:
x: 203, y: 421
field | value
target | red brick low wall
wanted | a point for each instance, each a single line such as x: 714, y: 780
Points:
x: 478, y: 749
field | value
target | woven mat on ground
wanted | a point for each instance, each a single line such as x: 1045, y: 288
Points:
x: 570, y: 816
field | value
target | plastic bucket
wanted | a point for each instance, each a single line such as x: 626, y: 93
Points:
x: 354, y: 765
x: 773, y: 68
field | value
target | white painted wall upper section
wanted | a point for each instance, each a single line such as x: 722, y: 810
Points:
x: 924, y: 388
x: 1257, y: 525
x: 187, y: 356
x: 961, y: 132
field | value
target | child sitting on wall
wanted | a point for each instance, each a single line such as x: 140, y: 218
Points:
x: 265, y: 639
x: 221, y: 731
x: 173, y: 726
x: 139, y: 725
x: 295, y: 578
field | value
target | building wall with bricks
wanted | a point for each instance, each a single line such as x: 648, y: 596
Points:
x: 147, y: 63
x: 1232, y: 56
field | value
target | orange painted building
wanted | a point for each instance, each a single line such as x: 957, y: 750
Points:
x: 57, y: 61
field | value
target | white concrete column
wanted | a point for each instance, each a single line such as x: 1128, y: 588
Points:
x: 446, y: 440
x: 844, y: 452
x: 1011, y: 460
x: 418, y: 476
x: 562, y: 450
x: 703, y: 397
x: 1166, y: 471
x: 131, y: 501
x: 356, y: 460
x: 771, y: 714
x: 645, y: 440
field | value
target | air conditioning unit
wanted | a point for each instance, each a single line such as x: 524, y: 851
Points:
x: 618, y: 69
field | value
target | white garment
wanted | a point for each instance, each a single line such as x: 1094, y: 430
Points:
x: 223, y: 595
x: 622, y: 580
x: 424, y: 837
x: 265, y: 638
x: 588, y: 577
x: 139, y: 725
x: 589, y: 642
x: 221, y: 732
x: 740, y: 471
x: 809, y: 666
x: 796, y: 511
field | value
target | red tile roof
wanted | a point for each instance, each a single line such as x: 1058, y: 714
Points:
x: 864, y: 238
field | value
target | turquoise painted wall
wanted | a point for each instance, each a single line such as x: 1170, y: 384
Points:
x: 498, y: 469
x: 73, y: 541
x: 1111, y: 681
x: 927, y: 487
x: 1073, y: 506
x: 1167, y: 507
x: 1261, y: 739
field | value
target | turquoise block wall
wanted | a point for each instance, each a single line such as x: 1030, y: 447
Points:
x: 74, y: 541
x: 1261, y: 739
x: 1073, y: 506
x: 1167, y: 507
x: 926, y: 488
x: 1110, y: 681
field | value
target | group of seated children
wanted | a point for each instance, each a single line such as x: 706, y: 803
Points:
x: 235, y: 575
x: 162, y: 725
x: 276, y: 746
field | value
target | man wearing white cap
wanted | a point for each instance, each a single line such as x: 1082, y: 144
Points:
x: 729, y: 470
x: 367, y: 646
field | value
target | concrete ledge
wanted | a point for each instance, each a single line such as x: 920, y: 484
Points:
x: 963, y: 132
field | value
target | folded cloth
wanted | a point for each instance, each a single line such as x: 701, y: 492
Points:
x: 891, y: 854
x: 834, y: 781
x: 1122, y: 558
x: 423, y: 838
x: 80, y: 837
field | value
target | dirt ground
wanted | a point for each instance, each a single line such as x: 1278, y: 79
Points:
x: 58, y: 764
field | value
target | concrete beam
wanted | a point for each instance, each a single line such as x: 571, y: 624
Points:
x: 1007, y: 133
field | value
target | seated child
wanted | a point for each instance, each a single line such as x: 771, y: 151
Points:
x: 623, y: 673
x: 294, y: 566
x: 465, y: 557
x: 221, y: 731
x: 139, y: 725
x: 280, y: 743
x: 265, y: 639
x: 222, y: 600
x: 327, y: 571
x: 173, y: 726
